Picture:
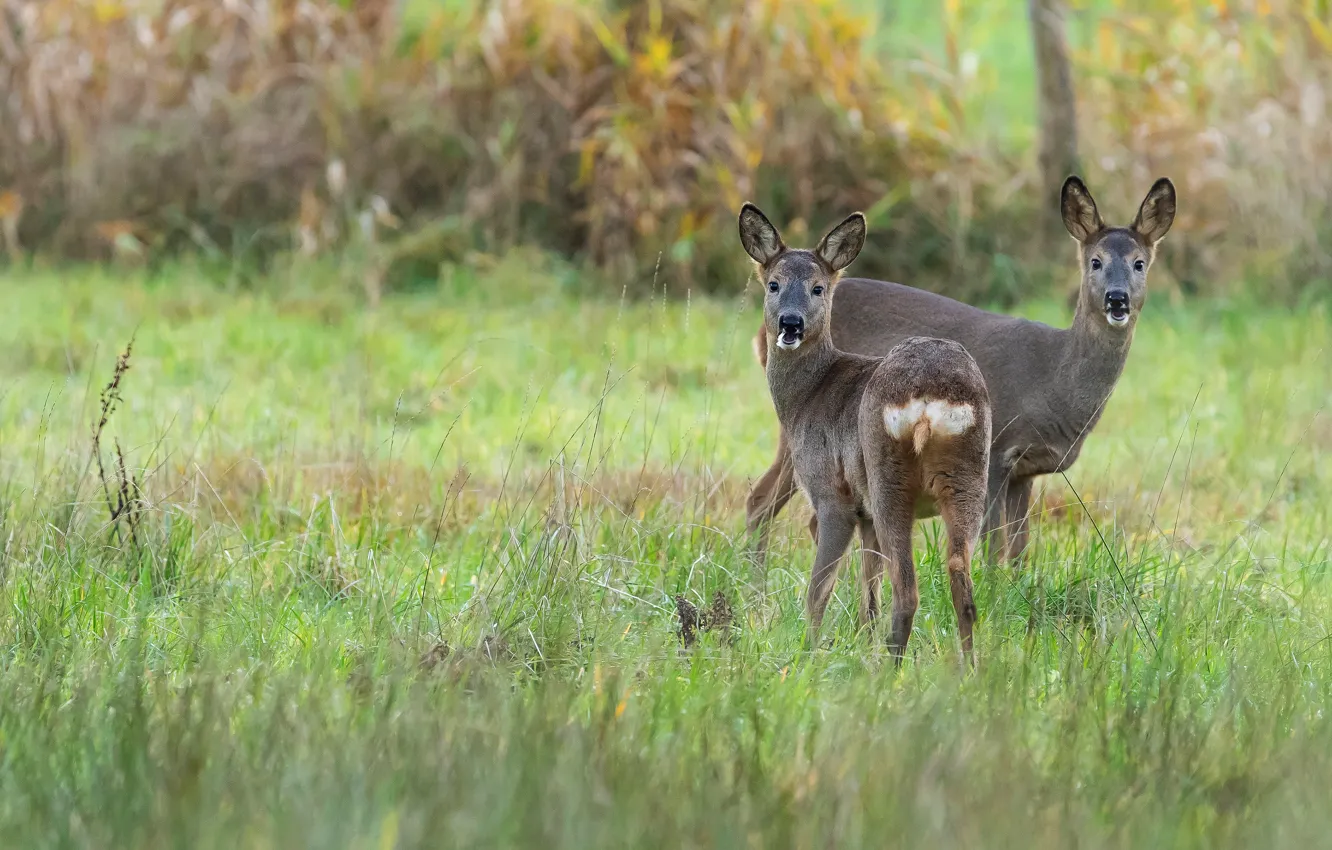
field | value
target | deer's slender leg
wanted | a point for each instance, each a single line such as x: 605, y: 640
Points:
x: 871, y: 573
x: 893, y: 528
x: 767, y: 498
x: 837, y: 523
x: 994, y: 532
x: 1017, y: 504
x: 962, y: 515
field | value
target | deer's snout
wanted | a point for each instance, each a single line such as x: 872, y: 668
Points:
x: 1117, y: 306
x: 790, y: 330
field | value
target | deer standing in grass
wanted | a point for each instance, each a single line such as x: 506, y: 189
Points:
x: 1048, y: 386
x: 875, y: 440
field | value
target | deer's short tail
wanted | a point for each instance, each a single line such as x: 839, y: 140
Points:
x: 922, y: 420
x: 920, y: 435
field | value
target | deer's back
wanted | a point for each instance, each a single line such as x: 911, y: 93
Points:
x: 1017, y: 357
x: 871, y: 316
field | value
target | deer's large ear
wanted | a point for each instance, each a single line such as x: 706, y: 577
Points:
x: 1079, y: 210
x: 760, y: 238
x: 843, y: 242
x: 1157, y: 212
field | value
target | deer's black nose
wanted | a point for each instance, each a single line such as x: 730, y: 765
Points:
x: 1117, y: 299
x: 791, y: 322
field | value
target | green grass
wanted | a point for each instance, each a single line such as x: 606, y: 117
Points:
x: 406, y: 578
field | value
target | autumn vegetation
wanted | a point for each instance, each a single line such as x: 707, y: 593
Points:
x: 624, y: 135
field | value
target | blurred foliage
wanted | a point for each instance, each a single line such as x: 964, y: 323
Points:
x: 1231, y: 99
x: 627, y: 134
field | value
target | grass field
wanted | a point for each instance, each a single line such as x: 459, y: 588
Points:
x: 406, y: 578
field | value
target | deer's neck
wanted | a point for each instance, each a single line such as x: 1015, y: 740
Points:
x: 1093, y: 359
x: 795, y: 377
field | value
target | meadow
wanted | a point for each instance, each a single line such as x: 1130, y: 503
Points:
x: 408, y: 577
x: 376, y: 395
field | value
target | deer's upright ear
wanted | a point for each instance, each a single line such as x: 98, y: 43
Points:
x: 843, y: 242
x: 1079, y: 210
x: 761, y: 240
x: 1157, y: 212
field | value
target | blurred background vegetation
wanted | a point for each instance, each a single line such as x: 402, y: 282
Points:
x: 392, y: 137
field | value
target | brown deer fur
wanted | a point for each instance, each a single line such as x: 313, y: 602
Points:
x: 1048, y: 386
x: 874, y: 440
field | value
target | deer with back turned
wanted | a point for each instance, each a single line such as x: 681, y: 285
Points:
x: 1048, y: 386
x: 874, y: 440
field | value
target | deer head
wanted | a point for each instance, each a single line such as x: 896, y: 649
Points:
x: 1115, y: 260
x: 797, y: 304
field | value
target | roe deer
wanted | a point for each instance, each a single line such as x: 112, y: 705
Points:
x: 875, y: 440
x: 1047, y: 385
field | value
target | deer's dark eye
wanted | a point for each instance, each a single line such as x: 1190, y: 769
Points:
x: 1139, y: 265
x: 1096, y: 264
x: 772, y: 286
x: 818, y: 290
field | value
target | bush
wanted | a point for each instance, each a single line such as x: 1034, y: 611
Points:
x: 628, y: 133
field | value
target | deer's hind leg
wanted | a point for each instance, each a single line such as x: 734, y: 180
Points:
x: 962, y: 508
x: 893, y: 505
x: 871, y: 573
x: 893, y: 488
x: 768, y: 496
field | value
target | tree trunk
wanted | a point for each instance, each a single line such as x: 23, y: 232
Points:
x: 1057, y: 107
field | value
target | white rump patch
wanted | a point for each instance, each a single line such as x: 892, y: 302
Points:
x: 901, y: 420
x: 945, y: 418
x: 950, y: 419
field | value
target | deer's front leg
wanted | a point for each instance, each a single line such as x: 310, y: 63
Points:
x: 1017, y: 505
x: 837, y: 524
x: 993, y: 533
